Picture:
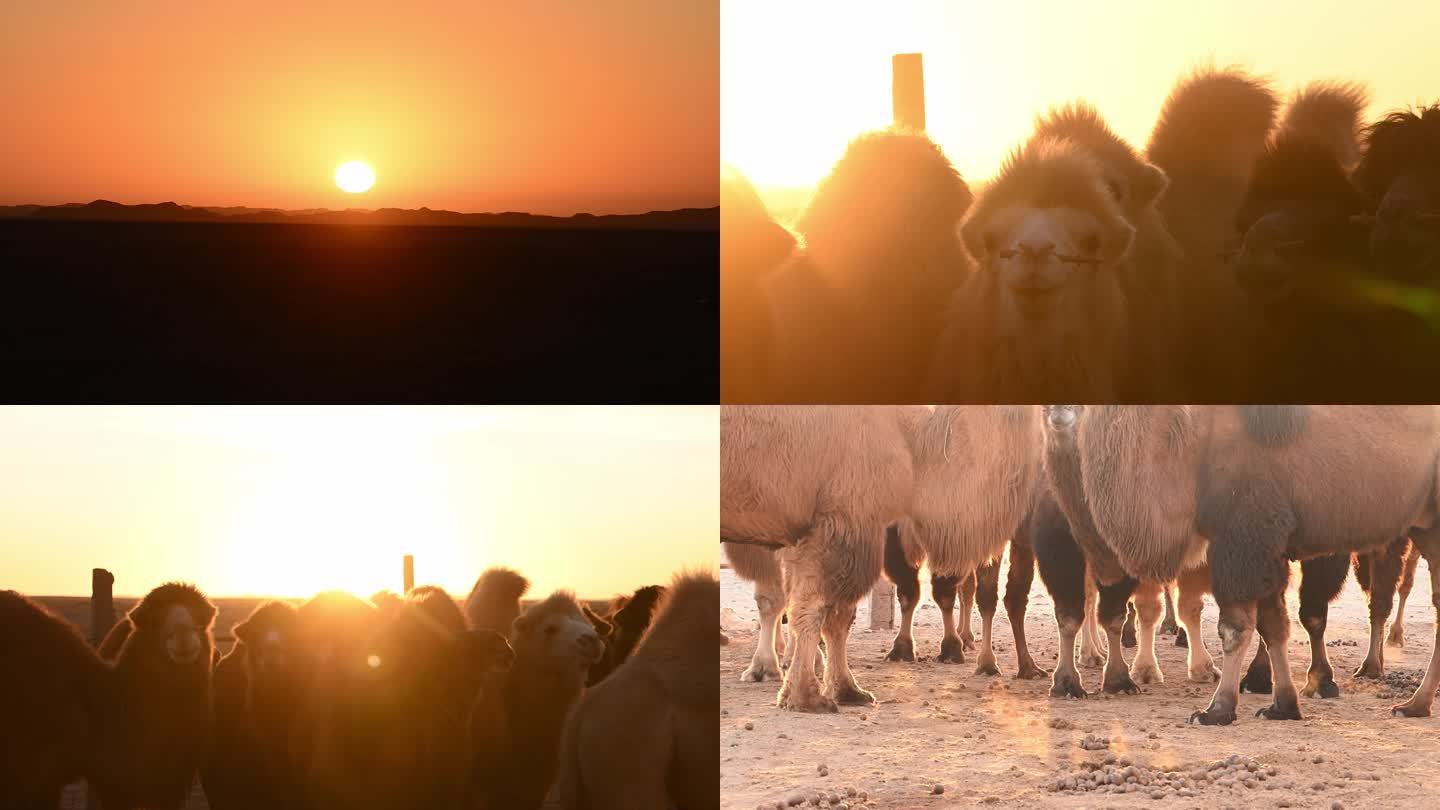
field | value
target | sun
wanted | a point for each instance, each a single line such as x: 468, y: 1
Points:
x: 355, y: 176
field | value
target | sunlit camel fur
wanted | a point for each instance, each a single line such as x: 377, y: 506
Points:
x: 555, y: 646
x: 49, y: 685
x: 255, y: 693
x: 857, y: 314
x: 1209, y: 131
x: 629, y: 616
x: 645, y: 737
x: 154, y: 718
x: 1379, y: 575
x: 494, y: 601
x: 1254, y: 486
x: 1302, y: 258
x: 1400, y: 175
x: 1073, y: 555
x: 752, y: 246
x: 761, y: 566
x: 395, y: 732
x: 823, y: 483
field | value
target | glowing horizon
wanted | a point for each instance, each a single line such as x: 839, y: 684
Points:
x: 596, y: 108
x: 799, y: 80
x: 274, y: 501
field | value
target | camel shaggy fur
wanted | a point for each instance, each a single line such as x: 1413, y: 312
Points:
x: 752, y: 246
x: 857, y: 314
x: 515, y: 758
x: 49, y: 689
x: 494, y: 601
x: 154, y: 715
x: 645, y: 737
x: 1251, y: 487
x: 1400, y: 175
x: 628, y: 618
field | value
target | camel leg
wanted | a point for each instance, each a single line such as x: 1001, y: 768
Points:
x: 1274, y: 627
x: 907, y: 588
x: 967, y: 608
x: 1092, y: 651
x: 1384, y: 568
x: 1190, y: 589
x: 1321, y: 579
x: 807, y: 609
x: 839, y: 681
x: 943, y: 589
x: 1428, y: 543
x: 1062, y: 569
x: 1148, y: 607
x: 770, y: 600
x: 1237, y: 626
x: 987, y: 592
x: 1017, y: 599
x: 1407, y: 581
x: 1111, y: 615
x: 1170, y: 624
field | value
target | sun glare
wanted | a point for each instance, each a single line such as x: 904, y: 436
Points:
x: 355, y: 177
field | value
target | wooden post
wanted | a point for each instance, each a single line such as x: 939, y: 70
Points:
x: 102, y: 618
x: 882, y: 606
x: 409, y: 573
x: 907, y: 90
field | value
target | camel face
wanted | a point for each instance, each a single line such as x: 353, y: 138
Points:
x: 1269, y: 263
x: 1039, y: 254
x: 1062, y: 418
x: 183, y: 639
x: 568, y: 639
x: 1405, y: 238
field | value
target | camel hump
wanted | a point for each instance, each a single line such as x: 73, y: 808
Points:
x: 1329, y: 112
x: 1275, y: 425
x: 1212, y: 122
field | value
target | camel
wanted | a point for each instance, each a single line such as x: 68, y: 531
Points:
x: 857, y: 313
x: 153, y: 719
x: 515, y: 754
x: 752, y: 246
x: 1278, y: 484
x: 644, y: 738
x: 494, y: 601
x: 628, y: 618
x: 1407, y: 581
x: 1398, y: 175
x: 760, y: 565
x: 49, y: 688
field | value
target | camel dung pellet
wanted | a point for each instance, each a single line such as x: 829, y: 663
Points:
x: 864, y: 796
x: 833, y: 798
x: 1154, y: 736
x: 1319, y: 758
x: 1157, y: 794
x: 937, y: 790
x: 1317, y: 786
x: 749, y: 726
x: 1336, y: 806
x: 850, y: 792
x: 794, y: 799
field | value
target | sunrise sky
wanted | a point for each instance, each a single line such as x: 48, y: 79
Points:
x: 551, y: 107
x: 288, y: 501
x: 799, y: 79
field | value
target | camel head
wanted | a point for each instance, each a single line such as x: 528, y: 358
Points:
x: 176, y: 618
x: 1047, y: 227
x: 556, y: 634
x: 1061, y: 419
x: 1300, y: 245
x: 271, y: 639
x: 1401, y: 173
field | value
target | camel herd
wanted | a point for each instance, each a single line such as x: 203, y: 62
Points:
x: 1115, y: 504
x: 1254, y: 250
x: 394, y: 702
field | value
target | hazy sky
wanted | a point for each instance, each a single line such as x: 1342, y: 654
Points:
x: 799, y: 79
x: 291, y: 500
x: 551, y: 106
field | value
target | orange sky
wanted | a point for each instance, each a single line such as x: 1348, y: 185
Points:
x: 288, y: 501
x: 550, y: 107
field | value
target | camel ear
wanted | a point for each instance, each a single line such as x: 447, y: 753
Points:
x: 146, y: 614
x: 602, y: 627
x: 972, y: 233
x: 243, y: 631
x: 1150, y: 182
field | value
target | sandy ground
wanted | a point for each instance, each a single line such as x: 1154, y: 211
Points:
x: 1004, y: 742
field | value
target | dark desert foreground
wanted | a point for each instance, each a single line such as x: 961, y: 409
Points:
x: 189, y: 312
x: 999, y: 742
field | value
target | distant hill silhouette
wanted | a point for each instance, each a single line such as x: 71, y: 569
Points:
x: 104, y: 210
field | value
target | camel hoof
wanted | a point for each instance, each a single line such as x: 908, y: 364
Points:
x: 901, y: 650
x: 1256, y: 683
x: 1210, y: 675
x: 1181, y: 639
x: 1149, y: 674
x: 1324, y: 689
x: 1275, y: 712
x: 1214, y: 717
x: 1030, y: 672
x: 1370, y: 669
x: 1409, y: 709
x: 1121, y: 685
x: 756, y: 673
x: 853, y: 696
x: 967, y: 641
x: 1091, y: 660
x: 1396, y: 637
x: 951, y: 651
x: 816, y: 704
x: 1067, y: 686
x: 986, y: 666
